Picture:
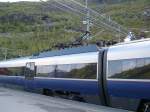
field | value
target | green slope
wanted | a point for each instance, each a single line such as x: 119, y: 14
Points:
x: 28, y: 27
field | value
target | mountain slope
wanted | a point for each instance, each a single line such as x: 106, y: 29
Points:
x: 28, y: 27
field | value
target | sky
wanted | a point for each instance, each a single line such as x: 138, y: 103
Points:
x: 19, y: 0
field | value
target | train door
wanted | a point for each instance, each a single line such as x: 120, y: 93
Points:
x: 30, y: 72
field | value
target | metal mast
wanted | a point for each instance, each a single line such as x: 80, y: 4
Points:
x: 87, y: 22
x: 88, y: 17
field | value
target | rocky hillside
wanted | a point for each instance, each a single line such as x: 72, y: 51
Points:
x: 28, y: 27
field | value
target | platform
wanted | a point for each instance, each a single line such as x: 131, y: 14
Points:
x: 21, y: 101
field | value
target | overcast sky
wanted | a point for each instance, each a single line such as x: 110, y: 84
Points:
x: 18, y: 0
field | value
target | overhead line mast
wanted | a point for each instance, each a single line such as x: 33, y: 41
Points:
x: 87, y: 21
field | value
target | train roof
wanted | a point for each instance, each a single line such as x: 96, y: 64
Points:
x: 67, y: 51
x: 81, y: 54
x: 131, y: 42
x: 17, y: 62
x: 137, y: 49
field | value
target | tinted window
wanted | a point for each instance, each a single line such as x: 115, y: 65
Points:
x: 46, y: 71
x: 147, y: 61
x: 129, y: 69
x: 114, y: 68
x: 140, y: 62
x: 128, y: 65
x: 12, y: 71
x: 80, y: 71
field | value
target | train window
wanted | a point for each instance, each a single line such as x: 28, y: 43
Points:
x: 131, y: 69
x: 147, y: 61
x: 79, y: 71
x: 140, y: 62
x: 128, y: 65
x: 18, y: 71
x: 114, y: 67
x: 45, y: 71
x: 144, y: 71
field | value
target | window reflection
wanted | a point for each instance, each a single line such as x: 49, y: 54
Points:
x: 114, y: 67
x: 128, y: 65
x: 81, y: 71
x: 140, y: 62
x: 18, y: 71
x: 129, y: 69
x: 147, y: 61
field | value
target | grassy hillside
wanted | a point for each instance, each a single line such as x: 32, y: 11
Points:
x: 28, y: 27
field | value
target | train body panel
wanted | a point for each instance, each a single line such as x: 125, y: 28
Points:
x: 87, y: 89
x: 83, y: 86
x: 129, y: 51
x: 128, y: 72
x: 20, y: 62
x: 129, y: 88
x: 91, y: 57
x: 77, y: 86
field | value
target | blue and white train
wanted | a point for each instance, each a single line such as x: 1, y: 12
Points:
x: 117, y: 76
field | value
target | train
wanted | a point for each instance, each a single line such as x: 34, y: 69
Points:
x: 117, y: 76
